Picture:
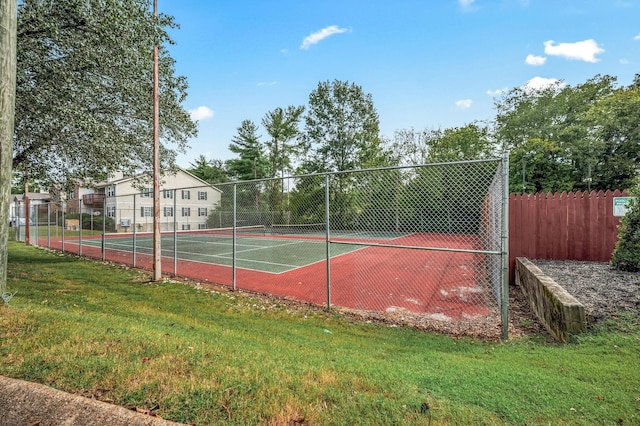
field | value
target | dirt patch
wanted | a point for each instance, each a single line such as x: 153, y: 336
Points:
x: 522, y: 321
x: 603, y: 290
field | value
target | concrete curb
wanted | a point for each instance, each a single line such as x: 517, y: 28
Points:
x: 25, y: 403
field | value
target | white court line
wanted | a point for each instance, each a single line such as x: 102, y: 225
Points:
x: 324, y: 260
x: 239, y: 260
x: 256, y: 248
x: 229, y: 255
x: 225, y: 256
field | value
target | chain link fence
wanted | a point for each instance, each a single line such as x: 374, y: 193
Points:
x: 426, y: 242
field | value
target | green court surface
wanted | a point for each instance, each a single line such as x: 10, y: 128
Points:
x: 265, y: 254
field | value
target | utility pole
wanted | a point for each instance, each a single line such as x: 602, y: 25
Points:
x: 157, y: 238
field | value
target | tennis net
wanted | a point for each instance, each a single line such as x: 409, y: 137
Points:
x: 298, y: 229
x: 241, y: 231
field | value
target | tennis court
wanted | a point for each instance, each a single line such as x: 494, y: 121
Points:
x: 424, y: 241
x: 255, y: 248
x: 372, y: 271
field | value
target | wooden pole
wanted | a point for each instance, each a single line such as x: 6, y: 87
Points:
x: 157, y: 244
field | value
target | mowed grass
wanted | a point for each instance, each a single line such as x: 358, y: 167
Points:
x: 202, y: 357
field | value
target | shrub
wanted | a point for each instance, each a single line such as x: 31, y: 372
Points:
x: 626, y: 256
x: 93, y: 221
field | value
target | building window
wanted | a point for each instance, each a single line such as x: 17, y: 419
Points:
x: 146, y: 211
x: 168, y: 212
x: 186, y: 194
x: 147, y: 192
x: 111, y: 211
x: 202, y: 211
x: 167, y: 193
x: 202, y: 226
x: 186, y: 227
x: 111, y: 191
x: 186, y: 211
x: 202, y: 195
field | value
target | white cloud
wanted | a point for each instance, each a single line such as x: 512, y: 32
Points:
x: 585, y: 50
x: 539, y: 83
x: 267, y: 83
x: 535, y: 60
x: 497, y: 92
x: 637, y: 37
x: 201, y: 113
x: 624, y: 61
x: 467, y: 5
x: 464, y: 103
x: 318, y: 36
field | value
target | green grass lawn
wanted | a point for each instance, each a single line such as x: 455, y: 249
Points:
x: 202, y: 357
x: 43, y: 231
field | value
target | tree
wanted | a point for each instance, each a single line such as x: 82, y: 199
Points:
x: 210, y: 171
x: 342, y: 130
x: 282, y: 127
x: 626, y: 256
x: 411, y: 147
x: 554, y: 117
x: 470, y: 142
x: 7, y: 104
x: 84, y: 90
x: 342, y: 127
x: 615, y: 127
x: 251, y: 164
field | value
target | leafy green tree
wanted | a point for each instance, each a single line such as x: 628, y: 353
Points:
x: 307, y: 203
x: 342, y: 133
x: 410, y: 147
x: 283, y: 143
x: 626, y: 256
x: 84, y: 90
x: 211, y: 171
x: 470, y: 142
x: 282, y: 127
x: 553, y: 118
x: 615, y: 125
x: 536, y: 166
x: 342, y: 127
x: 7, y: 105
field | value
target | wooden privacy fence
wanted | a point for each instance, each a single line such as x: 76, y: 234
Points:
x: 566, y: 226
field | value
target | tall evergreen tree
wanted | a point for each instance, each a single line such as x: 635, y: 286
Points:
x: 251, y: 162
x: 211, y: 171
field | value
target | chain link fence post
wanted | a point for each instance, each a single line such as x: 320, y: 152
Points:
x: 505, y: 247
x: 327, y: 210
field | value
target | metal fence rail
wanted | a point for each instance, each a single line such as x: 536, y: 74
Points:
x: 428, y: 241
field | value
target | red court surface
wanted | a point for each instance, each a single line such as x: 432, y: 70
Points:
x: 442, y: 285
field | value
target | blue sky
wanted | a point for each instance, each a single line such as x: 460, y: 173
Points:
x: 427, y: 63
